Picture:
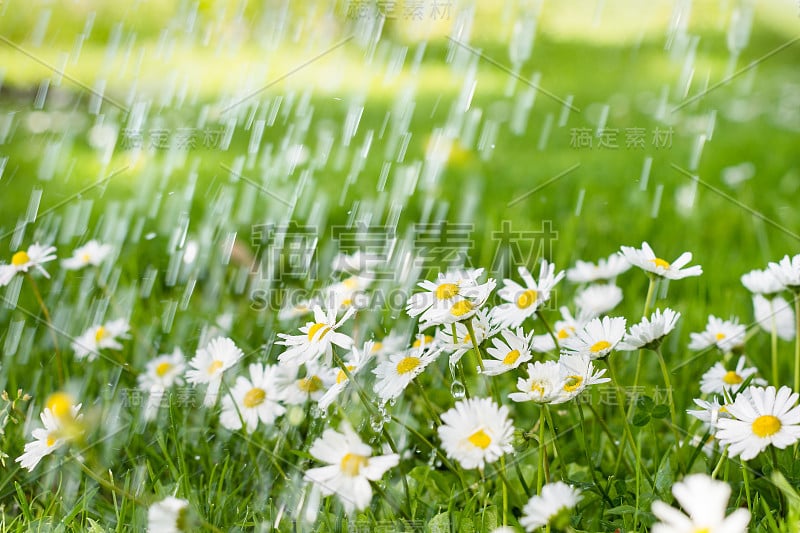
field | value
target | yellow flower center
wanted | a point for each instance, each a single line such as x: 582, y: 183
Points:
x: 446, y: 291
x: 766, y: 426
x: 60, y: 404
x: 719, y: 336
x: 376, y: 347
x: 526, y: 299
x: 341, y: 376
x: 461, y: 308
x: 100, y: 334
x: 254, y: 397
x: 86, y: 258
x: 309, y: 384
x: 352, y: 463
x: 347, y: 302
x: 511, y: 357
x: 732, y: 378
x: 480, y: 439
x: 407, y: 364
x: 417, y: 343
x: 573, y: 383
x: 563, y: 333
x: 350, y: 283
x: 215, y: 365
x: 537, y: 386
x: 702, y: 530
x: 20, y: 258
x: 723, y: 409
x: 51, y: 440
x: 660, y: 263
x: 162, y: 369
x: 312, y: 331
x: 599, y: 346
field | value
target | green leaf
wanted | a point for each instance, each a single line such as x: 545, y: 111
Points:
x: 645, y: 403
x: 440, y: 523
x: 660, y: 411
x: 621, y: 510
x: 640, y: 419
x: 664, y: 478
x: 488, y: 519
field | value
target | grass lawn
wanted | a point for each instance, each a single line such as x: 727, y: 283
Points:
x: 218, y: 132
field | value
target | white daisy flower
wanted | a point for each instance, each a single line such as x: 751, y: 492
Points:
x: 454, y: 297
x: 61, y: 425
x: 787, y: 271
x: 553, y: 506
x: 395, y: 374
x: 355, y: 364
x: 463, y: 342
x: 524, y: 301
x: 23, y: 261
x: 92, y: 253
x: 724, y: 334
x: 760, y: 418
x: 209, y: 363
x: 350, y: 467
x: 509, y: 353
x: 543, y: 385
x: 253, y: 400
x: 563, y: 329
x: 719, y: 380
x: 705, y: 501
x: 106, y: 336
x: 577, y: 373
x: 168, y: 516
x: 297, y: 390
x: 605, y: 269
x: 646, y: 260
x: 649, y: 332
x: 160, y: 374
x: 762, y: 282
x: 596, y: 300
x: 775, y: 313
x: 709, y: 412
x: 597, y: 338
x: 476, y: 432
x: 317, y: 338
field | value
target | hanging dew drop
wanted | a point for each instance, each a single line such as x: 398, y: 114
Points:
x: 458, y: 390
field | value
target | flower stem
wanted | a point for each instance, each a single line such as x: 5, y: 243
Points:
x: 648, y: 302
x: 540, y: 474
x: 51, y: 328
x: 626, y: 424
x: 546, y: 325
x: 556, y: 451
x: 477, y: 350
x: 668, y: 384
x: 589, y: 458
x: 746, y: 477
x: 427, y: 402
x: 502, y: 474
x: 719, y: 463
